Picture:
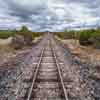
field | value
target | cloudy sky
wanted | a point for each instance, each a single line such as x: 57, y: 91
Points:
x: 53, y: 15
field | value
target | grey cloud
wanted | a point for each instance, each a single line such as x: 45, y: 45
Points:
x: 35, y: 13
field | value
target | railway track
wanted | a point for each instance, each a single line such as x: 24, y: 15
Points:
x: 45, y: 74
x: 47, y: 82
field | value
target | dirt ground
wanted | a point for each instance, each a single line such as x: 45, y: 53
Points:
x: 8, y: 53
x: 9, y: 56
x: 89, y: 57
x: 86, y: 53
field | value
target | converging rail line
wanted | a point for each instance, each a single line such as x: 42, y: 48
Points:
x: 47, y: 81
x: 46, y: 74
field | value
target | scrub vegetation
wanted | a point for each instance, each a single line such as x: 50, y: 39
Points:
x: 85, y: 37
x: 24, y: 31
x: 20, y: 38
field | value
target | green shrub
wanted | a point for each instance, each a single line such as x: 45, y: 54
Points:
x: 6, y: 34
x: 36, y: 34
x: 65, y: 35
x: 24, y: 32
x: 85, y: 37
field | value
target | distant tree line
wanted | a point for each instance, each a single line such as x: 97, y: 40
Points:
x: 20, y: 37
x: 24, y: 31
x: 85, y: 37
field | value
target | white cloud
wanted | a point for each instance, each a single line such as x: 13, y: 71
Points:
x: 49, y: 14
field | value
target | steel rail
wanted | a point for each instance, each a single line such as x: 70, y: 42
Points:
x: 67, y: 50
x: 35, y: 75
x: 61, y: 79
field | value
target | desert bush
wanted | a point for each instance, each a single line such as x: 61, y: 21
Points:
x: 6, y: 34
x: 65, y: 35
x: 85, y: 37
x: 18, y: 42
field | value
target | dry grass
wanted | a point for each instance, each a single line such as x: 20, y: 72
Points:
x: 5, y: 53
x: 83, y: 52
